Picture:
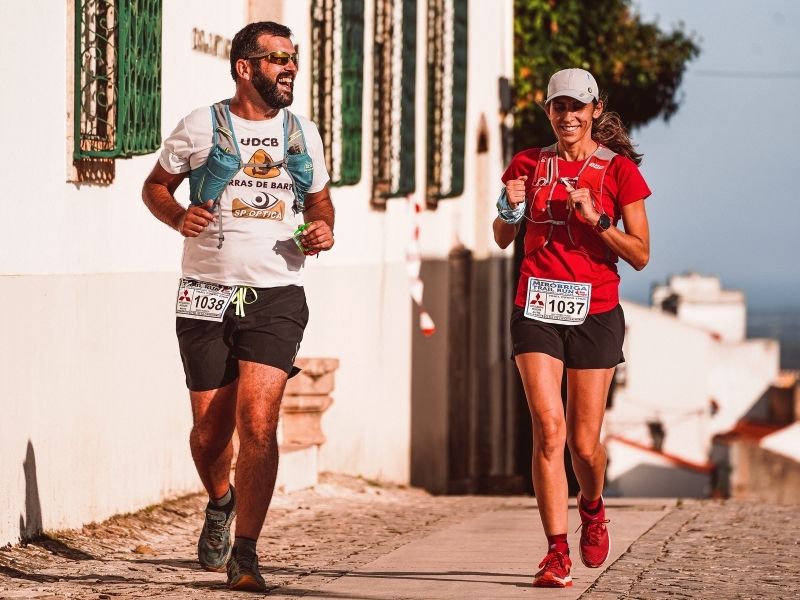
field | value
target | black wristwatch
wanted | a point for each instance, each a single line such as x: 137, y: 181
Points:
x: 603, y: 223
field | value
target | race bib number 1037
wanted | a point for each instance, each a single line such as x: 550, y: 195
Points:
x: 557, y: 302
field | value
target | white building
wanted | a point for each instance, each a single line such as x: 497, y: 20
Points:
x: 94, y: 416
x: 688, y: 376
x: 701, y: 301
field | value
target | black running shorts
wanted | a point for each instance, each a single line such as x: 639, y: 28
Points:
x: 269, y: 333
x: 594, y: 344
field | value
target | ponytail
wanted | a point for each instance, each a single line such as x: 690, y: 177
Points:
x: 609, y: 130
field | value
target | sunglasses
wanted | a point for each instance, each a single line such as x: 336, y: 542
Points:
x: 277, y: 57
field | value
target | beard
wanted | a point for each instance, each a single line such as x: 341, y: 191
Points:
x: 269, y: 92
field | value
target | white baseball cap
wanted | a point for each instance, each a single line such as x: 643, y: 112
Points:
x: 575, y: 83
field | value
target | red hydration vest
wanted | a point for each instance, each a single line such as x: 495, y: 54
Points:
x: 540, y: 222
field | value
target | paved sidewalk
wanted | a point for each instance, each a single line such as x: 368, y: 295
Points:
x: 350, y: 539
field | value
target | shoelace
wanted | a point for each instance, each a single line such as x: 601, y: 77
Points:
x: 552, y: 557
x: 594, y: 529
x: 215, y: 526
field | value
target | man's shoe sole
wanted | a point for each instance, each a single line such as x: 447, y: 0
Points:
x: 246, y: 583
x: 221, y: 569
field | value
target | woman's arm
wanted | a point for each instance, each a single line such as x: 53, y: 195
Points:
x: 504, y: 233
x: 633, y: 244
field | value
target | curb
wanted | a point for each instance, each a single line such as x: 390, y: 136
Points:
x: 620, y: 578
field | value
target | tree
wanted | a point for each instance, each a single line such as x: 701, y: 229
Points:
x: 637, y: 64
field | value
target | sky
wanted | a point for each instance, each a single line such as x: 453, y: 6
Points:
x: 725, y: 170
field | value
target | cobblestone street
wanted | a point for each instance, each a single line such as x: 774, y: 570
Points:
x: 315, y: 537
x: 727, y: 550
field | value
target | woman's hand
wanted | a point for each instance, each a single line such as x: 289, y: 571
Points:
x: 515, y: 190
x: 580, y: 201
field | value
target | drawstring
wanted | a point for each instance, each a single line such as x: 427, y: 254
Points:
x: 240, y: 299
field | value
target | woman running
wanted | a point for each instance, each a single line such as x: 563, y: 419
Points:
x: 567, y: 313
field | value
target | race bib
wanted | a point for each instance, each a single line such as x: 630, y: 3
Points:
x: 203, y: 300
x: 557, y: 302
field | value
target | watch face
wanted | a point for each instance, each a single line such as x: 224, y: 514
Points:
x: 604, y: 222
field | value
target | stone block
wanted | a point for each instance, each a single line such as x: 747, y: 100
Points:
x: 316, y: 376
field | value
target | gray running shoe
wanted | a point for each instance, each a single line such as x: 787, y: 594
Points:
x: 243, y: 572
x: 214, y: 547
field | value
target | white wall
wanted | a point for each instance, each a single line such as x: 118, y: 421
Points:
x: 728, y: 321
x: 359, y: 294
x: 91, y: 387
x: 739, y: 376
x: 468, y: 219
x: 92, y: 382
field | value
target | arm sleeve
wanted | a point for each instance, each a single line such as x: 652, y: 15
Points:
x: 317, y: 153
x: 523, y: 163
x: 177, y: 151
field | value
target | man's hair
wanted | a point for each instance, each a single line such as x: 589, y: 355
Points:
x: 245, y: 42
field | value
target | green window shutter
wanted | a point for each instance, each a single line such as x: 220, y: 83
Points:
x: 337, y: 64
x: 139, y: 124
x: 394, y: 89
x: 117, y: 78
x: 447, y: 98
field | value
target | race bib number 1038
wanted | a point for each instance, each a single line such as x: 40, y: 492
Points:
x: 203, y: 300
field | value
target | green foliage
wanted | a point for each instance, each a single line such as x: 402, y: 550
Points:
x: 637, y: 64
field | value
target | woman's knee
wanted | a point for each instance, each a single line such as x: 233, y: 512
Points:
x: 584, y: 449
x: 549, y: 437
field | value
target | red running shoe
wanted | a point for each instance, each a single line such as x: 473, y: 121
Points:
x: 595, y: 542
x: 554, y: 571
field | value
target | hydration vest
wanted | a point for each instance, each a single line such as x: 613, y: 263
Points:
x: 540, y: 222
x: 208, y: 181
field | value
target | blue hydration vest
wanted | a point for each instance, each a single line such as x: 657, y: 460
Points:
x: 208, y: 181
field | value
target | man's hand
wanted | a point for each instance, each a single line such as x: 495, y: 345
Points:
x: 196, y: 219
x: 317, y: 236
x: 319, y: 218
x: 515, y: 190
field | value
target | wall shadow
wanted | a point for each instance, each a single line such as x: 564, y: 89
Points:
x: 30, y: 524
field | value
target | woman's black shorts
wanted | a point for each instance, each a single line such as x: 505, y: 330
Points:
x: 594, y: 344
x: 270, y: 333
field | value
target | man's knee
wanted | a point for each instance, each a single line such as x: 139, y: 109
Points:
x: 257, y: 427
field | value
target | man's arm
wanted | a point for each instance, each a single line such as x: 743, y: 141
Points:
x: 158, y: 195
x: 319, y: 216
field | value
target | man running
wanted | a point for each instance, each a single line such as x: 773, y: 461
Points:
x: 241, y: 308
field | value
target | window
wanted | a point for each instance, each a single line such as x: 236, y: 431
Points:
x: 117, y: 78
x: 447, y: 98
x: 394, y: 99
x: 337, y: 64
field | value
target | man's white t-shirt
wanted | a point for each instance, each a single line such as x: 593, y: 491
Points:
x: 256, y: 207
